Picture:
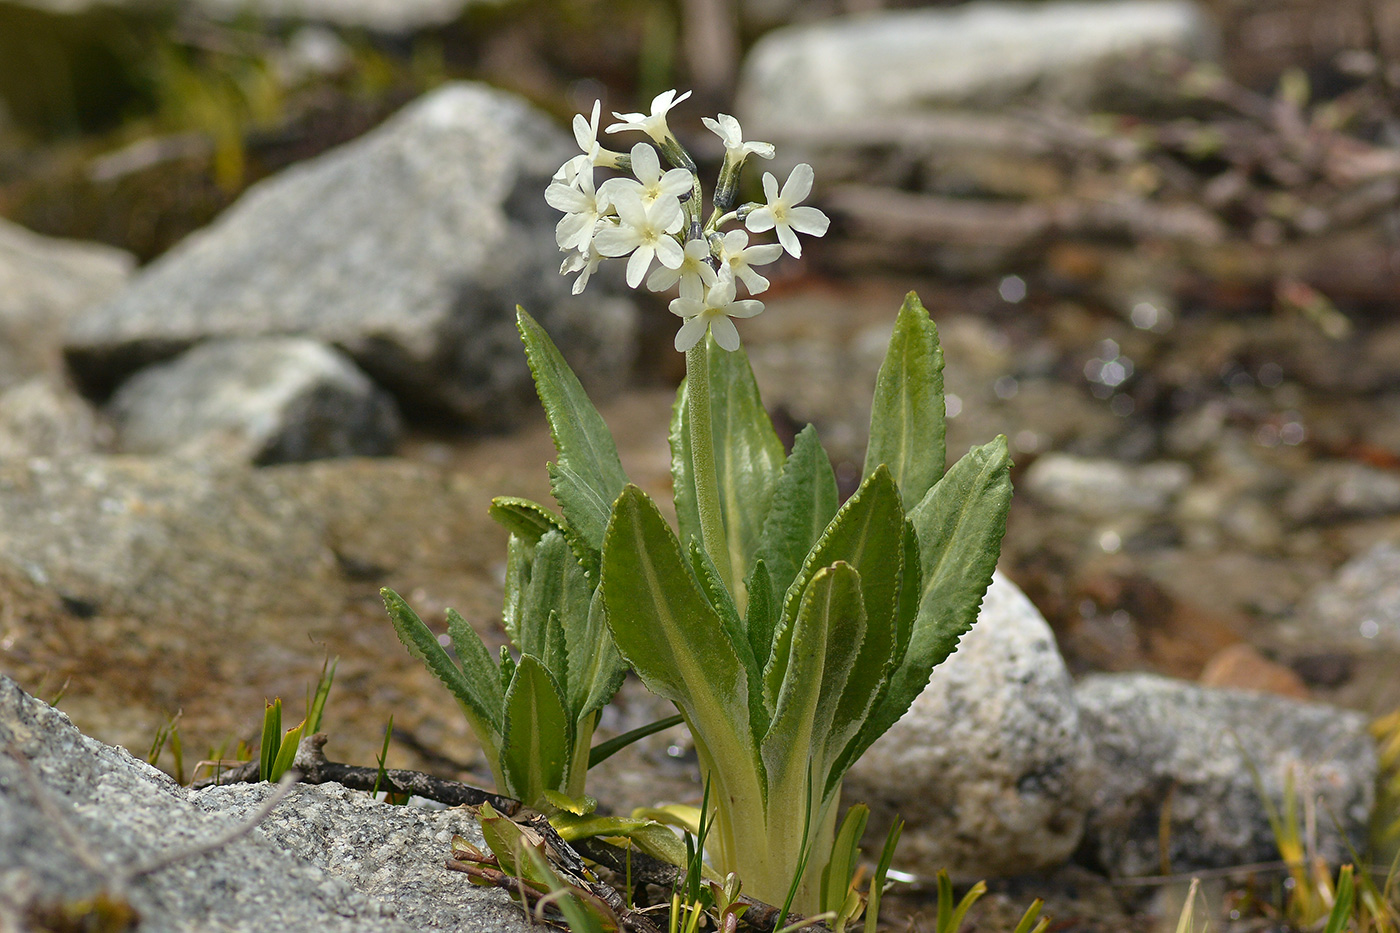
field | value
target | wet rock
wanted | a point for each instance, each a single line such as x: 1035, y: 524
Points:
x: 1359, y: 608
x: 65, y: 787
x: 988, y: 767
x: 43, y: 282
x: 1105, y: 488
x: 259, y: 400
x: 43, y: 417
x: 407, y: 249
x: 1330, y: 492
x: 900, y: 62
x: 1162, y: 745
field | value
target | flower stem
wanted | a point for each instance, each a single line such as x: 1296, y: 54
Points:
x: 702, y: 459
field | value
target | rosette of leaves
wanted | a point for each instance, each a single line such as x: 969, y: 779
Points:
x: 839, y: 612
x: 534, y: 710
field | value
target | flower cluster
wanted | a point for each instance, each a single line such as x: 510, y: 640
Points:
x: 653, y: 217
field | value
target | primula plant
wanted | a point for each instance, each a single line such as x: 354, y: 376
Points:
x: 789, y: 629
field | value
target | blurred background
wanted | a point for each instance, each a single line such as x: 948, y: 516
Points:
x: 1161, y: 240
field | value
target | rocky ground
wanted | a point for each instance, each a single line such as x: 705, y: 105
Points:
x: 1177, y: 304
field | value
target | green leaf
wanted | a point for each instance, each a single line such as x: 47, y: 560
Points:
x: 845, y: 856
x: 478, y: 701
x: 826, y: 639
x: 518, y: 556
x: 508, y: 841
x: 596, y: 669
x: 748, y: 456
x: 271, y: 739
x: 867, y: 534
x: 537, y: 740
x: 557, y: 597
x: 959, y: 523
x: 907, y: 418
x: 525, y: 519
x: 507, y: 670
x: 805, y: 500
x: 287, y: 751
x: 668, y: 631
x: 713, y: 588
x: 589, y: 474
x: 477, y: 666
x: 317, y: 707
x: 761, y: 616
x: 653, y: 838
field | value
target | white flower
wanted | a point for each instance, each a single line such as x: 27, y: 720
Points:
x: 782, y: 213
x: 735, y: 149
x: 586, y: 135
x: 651, y: 184
x: 694, y: 273
x: 713, y: 314
x: 738, y: 256
x: 585, y: 264
x: 654, y: 125
x: 645, y: 231
x: 582, y: 208
x: 570, y: 170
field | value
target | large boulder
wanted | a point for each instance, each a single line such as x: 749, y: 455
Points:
x: 1359, y: 608
x: 408, y: 249
x: 1177, y: 762
x: 987, y: 51
x: 43, y: 282
x: 324, y: 859
x: 989, y: 766
x: 258, y: 400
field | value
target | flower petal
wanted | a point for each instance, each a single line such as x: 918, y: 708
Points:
x: 724, y: 332
x: 686, y: 307
x: 789, y: 241
x: 690, y: 333
x: 799, y: 184
x: 638, y: 265
x: 745, y: 307
x: 645, y: 165
x: 761, y: 220
x: 770, y: 189
x: 808, y: 220
x: 669, y: 252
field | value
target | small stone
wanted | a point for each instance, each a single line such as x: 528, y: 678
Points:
x: 1341, y: 490
x: 259, y: 400
x: 1242, y: 667
x: 44, y: 282
x: 1359, y: 608
x: 1105, y: 488
x: 988, y: 767
x: 1170, y: 749
x: 44, y: 417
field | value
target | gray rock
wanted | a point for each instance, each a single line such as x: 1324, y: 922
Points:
x: 1360, y: 607
x: 43, y: 282
x: 986, y: 51
x: 408, y: 249
x: 1105, y: 488
x: 153, y: 537
x: 60, y: 789
x: 394, y: 855
x: 1330, y: 492
x: 259, y: 400
x: 988, y: 767
x: 44, y: 417
x: 1163, y: 745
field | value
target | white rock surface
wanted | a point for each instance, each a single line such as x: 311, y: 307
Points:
x: 260, y: 400
x: 1359, y: 608
x: 898, y: 62
x: 45, y: 417
x: 988, y: 767
x: 43, y: 282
